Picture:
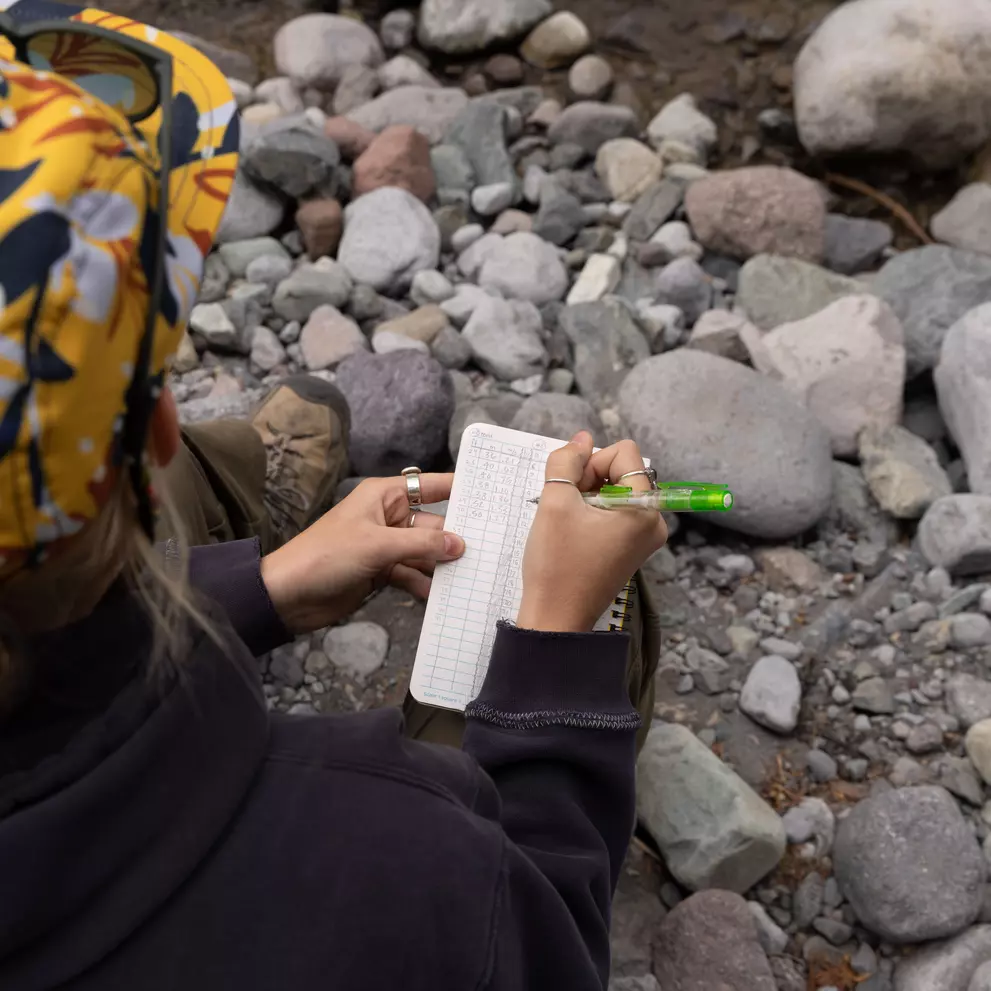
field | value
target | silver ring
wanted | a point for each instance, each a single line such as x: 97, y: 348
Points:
x: 414, y: 491
x: 563, y: 481
x: 649, y: 473
x: 412, y: 519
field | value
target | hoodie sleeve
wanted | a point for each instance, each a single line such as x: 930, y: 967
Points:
x: 230, y: 574
x: 554, y: 729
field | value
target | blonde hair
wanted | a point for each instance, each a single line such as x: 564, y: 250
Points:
x: 69, y: 586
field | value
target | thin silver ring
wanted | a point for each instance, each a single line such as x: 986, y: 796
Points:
x: 563, y: 481
x: 649, y: 473
x: 414, y: 491
x: 412, y: 519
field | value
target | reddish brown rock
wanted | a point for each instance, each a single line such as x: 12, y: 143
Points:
x: 399, y: 156
x: 352, y: 139
x: 321, y: 222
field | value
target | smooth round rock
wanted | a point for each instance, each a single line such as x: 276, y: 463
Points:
x: 705, y: 417
x: 591, y: 78
x: 317, y: 49
x: 556, y: 42
x: 909, y: 865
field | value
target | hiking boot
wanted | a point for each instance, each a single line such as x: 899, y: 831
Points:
x: 304, y: 424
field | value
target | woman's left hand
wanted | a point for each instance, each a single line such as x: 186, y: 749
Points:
x: 363, y: 544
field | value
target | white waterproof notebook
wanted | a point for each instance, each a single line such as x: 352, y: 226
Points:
x: 499, y: 471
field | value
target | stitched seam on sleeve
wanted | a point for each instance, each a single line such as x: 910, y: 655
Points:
x: 493, y: 943
x: 576, y: 719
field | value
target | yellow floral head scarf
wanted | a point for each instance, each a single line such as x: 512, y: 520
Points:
x: 78, y: 211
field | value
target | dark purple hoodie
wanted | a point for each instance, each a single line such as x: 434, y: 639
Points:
x: 157, y: 837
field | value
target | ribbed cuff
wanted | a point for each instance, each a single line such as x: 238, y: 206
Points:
x: 230, y: 574
x: 566, y: 679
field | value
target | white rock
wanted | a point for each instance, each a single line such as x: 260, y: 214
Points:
x: 525, y: 267
x: 463, y: 303
x: 955, y: 534
x: 811, y: 819
x: 211, y: 322
x: 846, y: 363
x: 186, y: 358
x: 556, y: 42
x: 464, y: 237
x: 680, y: 120
x: 505, y: 338
x: 965, y: 222
x: 663, y: 324
x: 772, y: 694
x: 470, y: 260
x: 430, y: 287
x: 401, y: 70
x: 267, y: 351
x: 675, y: 237
x: 590, y: 78
x: 598, y: 278
x: 360, y: 649
x: 282, y: 91
x: 243, y: 93
x: 316, y: 49
x: 492, y: 199
x: 389, y: 236
x: 963, y: 384
x: 627, y: 168
x: 387, y: 341
x: 466, y: 26
x: 897, y: 75
x: 329, y: 337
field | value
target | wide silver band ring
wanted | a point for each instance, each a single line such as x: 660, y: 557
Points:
x: 414, y: 491
x: 649, y: 473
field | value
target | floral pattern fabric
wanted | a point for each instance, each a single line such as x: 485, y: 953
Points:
x: 79, y: 215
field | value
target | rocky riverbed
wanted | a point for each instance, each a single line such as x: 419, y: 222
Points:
x: 506, y: 211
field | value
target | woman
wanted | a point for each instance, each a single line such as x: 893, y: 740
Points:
x: 158, y: 828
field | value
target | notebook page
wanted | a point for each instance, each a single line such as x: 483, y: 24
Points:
x: 498, y: 472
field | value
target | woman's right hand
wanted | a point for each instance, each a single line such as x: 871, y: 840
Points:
x: 578, y: 558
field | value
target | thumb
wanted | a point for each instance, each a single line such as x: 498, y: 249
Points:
x: 411, y: 544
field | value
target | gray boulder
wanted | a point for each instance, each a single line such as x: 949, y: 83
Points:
x: 560, y: 215
x: 775, y: 290
x: 389, y: 236
x: 590, y: 125
x: 607, y: 343
x: 898, y: 76
x: 323, y: 283
x: 909, y: 865
x: 854, y: 244
x: 684, y: 283
x: 561, y: 417
x: 505, y: 338
x: 955, y: 534
x: 237, y: 256
x: 772, y: 694
x: 463, y: 27
x: 251, y: 211
x: 401, y: 405
x: 930, y: 289
x: 523, y: 266
x: 963, y: 383
x: 704, y: 417
x: 710, y: 942
x: 713, y: 830
x: 480, y: 132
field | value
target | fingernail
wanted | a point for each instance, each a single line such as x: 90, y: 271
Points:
x: 454, y: 546
x: 579, y: 437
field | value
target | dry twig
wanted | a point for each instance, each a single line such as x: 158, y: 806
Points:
x: 857, y: 186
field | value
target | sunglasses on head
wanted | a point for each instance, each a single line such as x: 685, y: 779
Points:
x: 135, y: 79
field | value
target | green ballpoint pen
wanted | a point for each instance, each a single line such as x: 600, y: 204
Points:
x: 668, y: 497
